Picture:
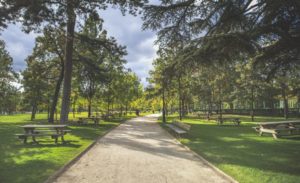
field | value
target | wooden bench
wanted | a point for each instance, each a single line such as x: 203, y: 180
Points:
x: 53, y: 131
x: 278, y: 129
x: 179, y: 128
x: 235, y: 121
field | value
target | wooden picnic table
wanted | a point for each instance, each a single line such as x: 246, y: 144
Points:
x: 107, y: 116
x: 279, y: 128
x: 235, y: 121
x: 84, y: 120
x: 34, y: 131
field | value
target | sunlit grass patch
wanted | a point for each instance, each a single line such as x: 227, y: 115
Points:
x: 241, y: 153
x: 34, y: 163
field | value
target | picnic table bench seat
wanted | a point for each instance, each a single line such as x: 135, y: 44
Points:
x: 41, y: 131
x: 53, y: 131
x: 179, y: 128
x: 52, y: 135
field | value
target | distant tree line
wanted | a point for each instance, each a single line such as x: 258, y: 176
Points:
x: 231, y: 54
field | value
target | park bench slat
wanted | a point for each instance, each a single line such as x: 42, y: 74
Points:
x: 182, y: 125
x: 176, y: 129
x: 179, y: 128
x: 54, y: 131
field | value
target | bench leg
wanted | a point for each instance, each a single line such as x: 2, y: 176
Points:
x: 275, y: 136
x: 25, y: 140
x: 63, y: 139
x: 260, y: 133
x: 55, y: 138
x: 34, y: 140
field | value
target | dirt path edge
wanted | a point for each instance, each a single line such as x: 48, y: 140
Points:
x: 217, y: 170
x: 59, y: 172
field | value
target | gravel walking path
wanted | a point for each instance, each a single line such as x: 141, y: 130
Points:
x: 139, y: 151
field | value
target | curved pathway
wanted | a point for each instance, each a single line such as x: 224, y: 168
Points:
x: 139, y: 151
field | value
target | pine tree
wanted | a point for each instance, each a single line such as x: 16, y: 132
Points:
x: 34, y: 14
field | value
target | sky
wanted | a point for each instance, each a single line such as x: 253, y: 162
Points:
x: 126, y: 29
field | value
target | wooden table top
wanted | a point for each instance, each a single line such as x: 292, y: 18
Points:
x: 89, y: 117
x: 279, y: 122
x: 44, y: 126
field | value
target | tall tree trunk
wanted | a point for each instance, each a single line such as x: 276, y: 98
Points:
x: 33, y: 111
x: 71, y: 20
x: 298, y: 104
x: 182, y: 108
x: 285, y: 101
x: 73, y: 108
x: 220, y: 101
x: 164, y: 106
x: 179, y: 95
x: 121, y: 112
x: 74, y: 105
x: 126, y: 109
x: 252, y: 103
x: 89, y: 107
x: 56, y: 115
x: 108, y: 109
x: 48, y: 109
x: 56, y: 94
x: 209, y: 109
x: 220, y: 109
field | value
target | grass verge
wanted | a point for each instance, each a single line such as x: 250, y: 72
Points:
x: 241, y: 153
x: 34, y: 163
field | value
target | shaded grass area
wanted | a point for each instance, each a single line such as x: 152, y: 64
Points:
x: 34, y: 163
x: 241, y: 153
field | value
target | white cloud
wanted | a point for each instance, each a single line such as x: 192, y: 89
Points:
x: 140, y: 44
x: 18, y: 44
x: 126, y: 29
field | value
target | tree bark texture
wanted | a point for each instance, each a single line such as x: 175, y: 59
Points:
x: 71, y: 20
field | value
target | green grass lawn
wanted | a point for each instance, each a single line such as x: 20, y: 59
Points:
x: 242, y: 154
x: 31, y: 163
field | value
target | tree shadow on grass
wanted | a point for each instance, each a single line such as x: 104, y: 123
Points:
x: 51, y: 144
x: 33, y: 171
x: 243, y: 147
x: 35, y: 162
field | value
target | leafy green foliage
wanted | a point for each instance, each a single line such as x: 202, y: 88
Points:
x: 210, y: 31
x: 8, y: 92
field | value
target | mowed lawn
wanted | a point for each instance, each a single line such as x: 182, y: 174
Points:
x: 33, y: 163
x: 242, y: 154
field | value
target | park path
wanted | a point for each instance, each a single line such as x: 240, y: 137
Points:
x: 139, y: 151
